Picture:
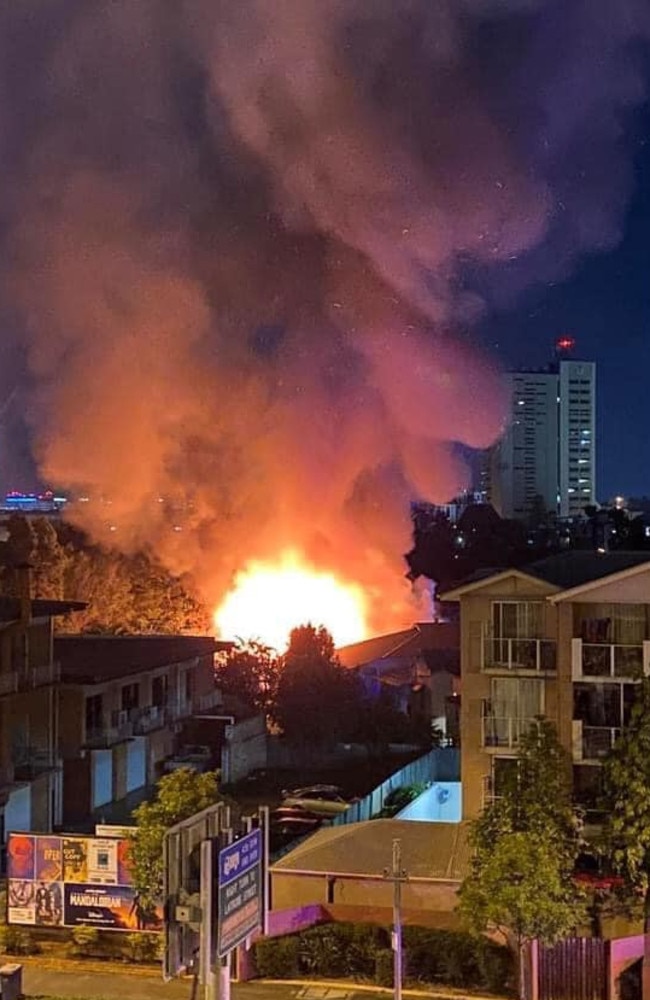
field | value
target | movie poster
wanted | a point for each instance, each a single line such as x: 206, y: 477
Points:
x: 113, y: 907
x: 20, y: 856
x: 124, y: 875
x: 20, y: 901
x: 48, y: 904
x: 75, y: 860
x: 102, y: 866
x: 48, y: 859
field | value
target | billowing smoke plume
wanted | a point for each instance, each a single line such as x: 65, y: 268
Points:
x: 241, y: 238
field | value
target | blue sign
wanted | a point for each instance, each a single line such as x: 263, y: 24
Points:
x: 239, y: 857
x: 241, y: 891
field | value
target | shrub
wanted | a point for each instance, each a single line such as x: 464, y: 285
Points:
x: 144, y: 947
x: 277, y: 958
x: 3, y: 907
x: 18, y: 941
x: 452, y: 958
x: 85, y: 941
x: 495, y: 965
x: 384, y: 967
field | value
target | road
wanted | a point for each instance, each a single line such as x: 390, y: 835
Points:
x: 75, y: 983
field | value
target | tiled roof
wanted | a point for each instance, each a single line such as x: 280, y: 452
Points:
x: 87, y: 659
x: 420, y: 639
x: 572, y: 569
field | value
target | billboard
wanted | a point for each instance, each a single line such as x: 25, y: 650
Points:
x: 69, y: 880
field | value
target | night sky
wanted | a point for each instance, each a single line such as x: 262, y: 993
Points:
x: 605, y: 306
x: 292, y: 240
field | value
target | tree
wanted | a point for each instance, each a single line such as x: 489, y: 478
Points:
x: 249, y: 671
x: 124, y: 593
x: 626, y: 781
x: 179, y: 795
x: 524, y: 850
x: 316, y: 695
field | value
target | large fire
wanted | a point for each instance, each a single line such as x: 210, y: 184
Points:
x: 268, y: 600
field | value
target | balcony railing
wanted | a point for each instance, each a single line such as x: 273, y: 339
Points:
x: 29, y: 678
x: 30, y: 761
x: 537, y: 655
x: 149, y: 718
x: 212, y: 699
x: 102, y: 737
x: 608, y: 659
x: 593, y: 743
x: 501, y: 732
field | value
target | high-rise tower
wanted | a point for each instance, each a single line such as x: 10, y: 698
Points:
x: 547, y: 454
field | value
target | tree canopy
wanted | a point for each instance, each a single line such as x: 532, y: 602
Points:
x: 124, y: 593
x: 179, y: 795
x: 316, y: 695
x: 249, y: 672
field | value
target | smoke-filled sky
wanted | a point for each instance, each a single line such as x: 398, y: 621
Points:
x: 246, y: 244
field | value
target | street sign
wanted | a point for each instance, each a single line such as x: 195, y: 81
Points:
x: 240, y: 891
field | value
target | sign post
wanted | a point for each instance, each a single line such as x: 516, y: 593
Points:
x: 240, y: 891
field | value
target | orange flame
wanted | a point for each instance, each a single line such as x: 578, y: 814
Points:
x: 268, y: 600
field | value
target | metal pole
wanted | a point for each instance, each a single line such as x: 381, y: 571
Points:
x: 224, y: 964
x: 397, y: 875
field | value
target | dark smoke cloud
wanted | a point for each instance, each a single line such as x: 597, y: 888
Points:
x: 241, y: 235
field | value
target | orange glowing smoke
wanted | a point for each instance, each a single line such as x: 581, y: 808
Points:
x: 268, y: 600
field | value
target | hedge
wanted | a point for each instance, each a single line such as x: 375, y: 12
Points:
x: 362, y: 951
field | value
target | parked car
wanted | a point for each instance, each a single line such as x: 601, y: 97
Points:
x: 198, y: 758
x: 323, y: 800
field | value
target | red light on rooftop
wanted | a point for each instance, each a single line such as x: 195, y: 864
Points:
x: 565, y: 344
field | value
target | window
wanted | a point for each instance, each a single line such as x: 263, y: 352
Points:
x: 516, y: 697
x: 130, y: 697
x: 601, y: 705
x: 94, y: 713
x: 159, y: 686
x: 517, y: 619
x: 188, y: 685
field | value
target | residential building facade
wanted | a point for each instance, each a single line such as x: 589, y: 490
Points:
x: 31, y: 776
x: 566, y: 638
x: 547, y: 454
x: 124, y: 701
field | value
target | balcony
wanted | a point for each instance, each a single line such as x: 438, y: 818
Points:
x: 593, y: 743
x: 149, y: 718
x: 206, y: 702
x: 607, y: 659
x: 120, y: 729
x: 29, y: 762
x: 501, y: 732
x: 29, y: 678
x: 518, y: 655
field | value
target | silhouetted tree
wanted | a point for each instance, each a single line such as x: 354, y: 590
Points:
x: 250, y: 673
x: 316, y: 696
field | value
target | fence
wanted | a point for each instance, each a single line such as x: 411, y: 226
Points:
x: 441, y: 764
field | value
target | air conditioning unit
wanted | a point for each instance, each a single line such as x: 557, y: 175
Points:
x: 153, y: 712
x: 122, y: 717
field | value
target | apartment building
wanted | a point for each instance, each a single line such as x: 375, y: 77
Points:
x: 548, y: 449
x: 566, y: 637
x: 31, y: 789
x: 123, y: 703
